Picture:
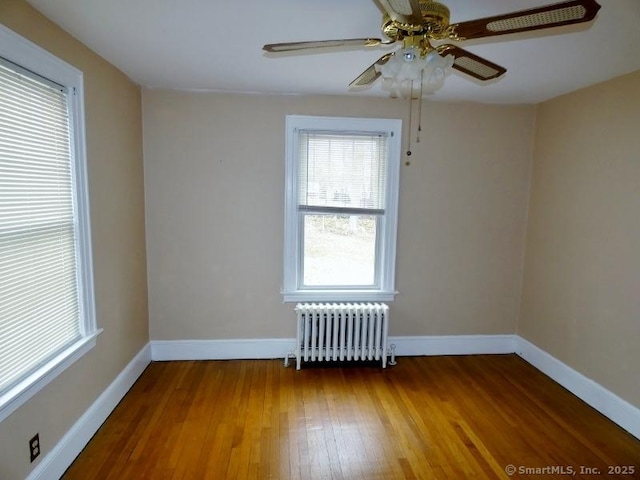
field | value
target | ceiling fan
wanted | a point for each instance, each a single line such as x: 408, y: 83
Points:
x: 417, y: 23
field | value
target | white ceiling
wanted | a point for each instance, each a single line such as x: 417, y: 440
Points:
x: 215, y: 45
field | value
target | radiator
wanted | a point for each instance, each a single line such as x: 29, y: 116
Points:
x: 342, y: 331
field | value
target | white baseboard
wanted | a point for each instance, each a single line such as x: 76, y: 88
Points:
x: 56, y: 462
x: 262, y: 348
x: 592, y: 393
x: 453, y: 345
x: 259, y: 348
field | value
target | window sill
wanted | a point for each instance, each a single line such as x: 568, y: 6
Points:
x: 17, y: 396
x: 339, y: 296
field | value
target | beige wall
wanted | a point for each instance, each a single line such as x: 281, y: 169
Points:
x: 214, y: 183
x: 581, y: 295
x: 114, y: 151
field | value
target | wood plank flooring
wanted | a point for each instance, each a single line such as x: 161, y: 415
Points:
x: 425, y: 418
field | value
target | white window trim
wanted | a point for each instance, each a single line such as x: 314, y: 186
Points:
x: 292, y: 256
x: 30, y: 56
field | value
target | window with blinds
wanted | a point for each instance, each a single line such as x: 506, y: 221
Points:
x: 38, y: 286
x: 46, y: 302
x: 341, y: 208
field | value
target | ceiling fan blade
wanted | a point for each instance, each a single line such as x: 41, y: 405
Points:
x: 370, y: 75
x: 471, y: 64
x: 351, y: 42
x: 558, y: 14
x: 403, y: 11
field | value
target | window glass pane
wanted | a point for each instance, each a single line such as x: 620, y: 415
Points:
x: 339, y: 250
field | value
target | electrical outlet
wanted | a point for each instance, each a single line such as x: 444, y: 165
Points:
x: 34, y: 447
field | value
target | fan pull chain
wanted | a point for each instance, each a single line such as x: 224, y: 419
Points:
x: 410, y: 117
x: 420, y: 101
x: 420, y: 107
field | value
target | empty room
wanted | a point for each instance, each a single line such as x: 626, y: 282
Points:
x: 365, y: 239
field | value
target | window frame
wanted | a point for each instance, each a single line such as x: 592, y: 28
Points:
x: 387, y: 223
x: 32, y: 58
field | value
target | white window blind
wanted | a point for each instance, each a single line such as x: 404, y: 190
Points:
x: 39, y: 296
x: 345, y: 171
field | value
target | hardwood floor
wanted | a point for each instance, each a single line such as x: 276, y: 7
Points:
x: 427, y: 417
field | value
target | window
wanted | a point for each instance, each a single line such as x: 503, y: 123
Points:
x: 47, y: 317
x: 341, y: 208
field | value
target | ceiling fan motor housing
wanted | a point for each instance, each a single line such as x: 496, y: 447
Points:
x: 436, y: 19
x: 435, y: 23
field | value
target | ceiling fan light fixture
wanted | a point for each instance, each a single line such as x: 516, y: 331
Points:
x: 407, y: 66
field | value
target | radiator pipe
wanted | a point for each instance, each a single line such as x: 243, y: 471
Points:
x: 287, y: 357
x: 392, y: 347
